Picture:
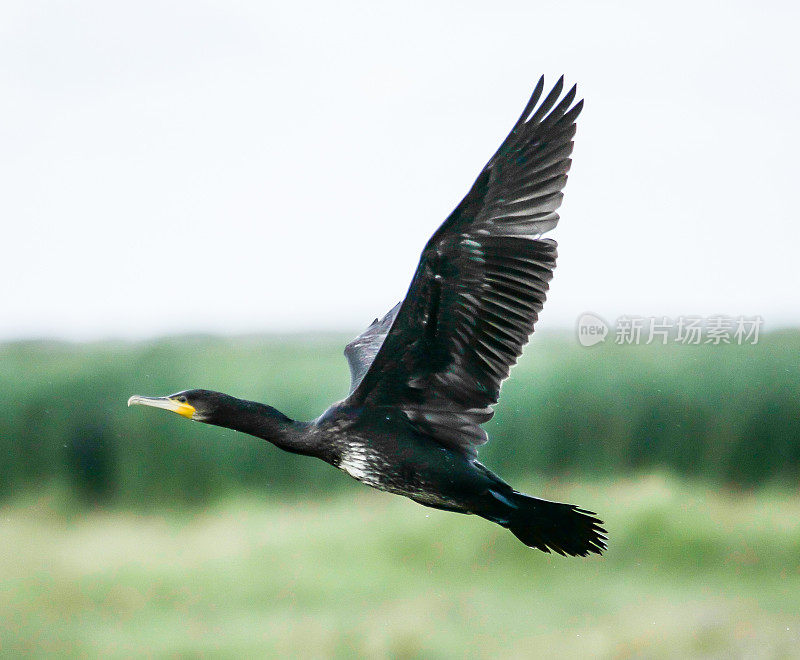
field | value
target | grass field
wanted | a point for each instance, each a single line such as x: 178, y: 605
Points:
x: 690, y: 572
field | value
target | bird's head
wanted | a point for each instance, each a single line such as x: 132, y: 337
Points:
x: 224, y: 410
x: 199, y: 405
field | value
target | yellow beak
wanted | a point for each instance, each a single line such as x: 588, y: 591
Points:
x: 183, y: 409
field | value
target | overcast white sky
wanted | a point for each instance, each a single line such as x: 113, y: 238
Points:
x: 254, y: 166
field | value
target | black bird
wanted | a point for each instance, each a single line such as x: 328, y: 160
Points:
x: 425, y: 376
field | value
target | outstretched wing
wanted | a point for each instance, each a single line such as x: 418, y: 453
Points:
x: 479, y: 286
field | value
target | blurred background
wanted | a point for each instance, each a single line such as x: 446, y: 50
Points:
x: 221, y: 195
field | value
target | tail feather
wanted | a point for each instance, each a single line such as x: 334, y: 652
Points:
x: 551, y: 526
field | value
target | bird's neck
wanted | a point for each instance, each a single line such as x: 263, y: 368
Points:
x: 264, y: 422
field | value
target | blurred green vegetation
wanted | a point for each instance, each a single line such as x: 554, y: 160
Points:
x: 691, y: 455
x: 691, y: 571
x: 726, y: 413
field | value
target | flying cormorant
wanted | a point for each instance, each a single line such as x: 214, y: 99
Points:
x: 425, y: 376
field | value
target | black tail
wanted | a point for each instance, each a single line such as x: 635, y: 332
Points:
x: 562, y: 528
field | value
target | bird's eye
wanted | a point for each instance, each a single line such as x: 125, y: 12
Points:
x: 181, y: 399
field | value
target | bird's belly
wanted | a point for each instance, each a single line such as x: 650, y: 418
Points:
x: 401, y: 478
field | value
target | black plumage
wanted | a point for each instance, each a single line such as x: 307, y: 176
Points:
x: 425, y: 376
